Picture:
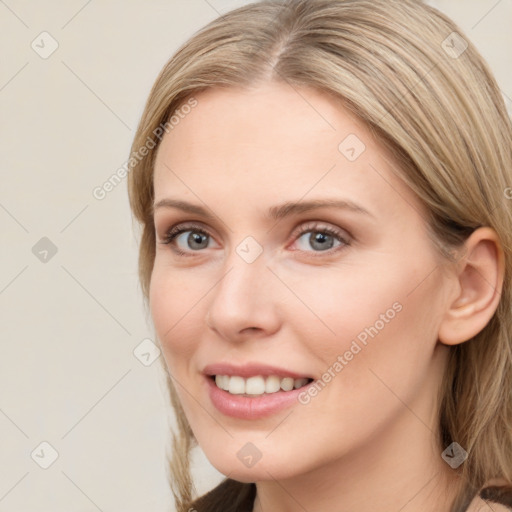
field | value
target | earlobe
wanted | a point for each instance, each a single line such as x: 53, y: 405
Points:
x: 480, y: 279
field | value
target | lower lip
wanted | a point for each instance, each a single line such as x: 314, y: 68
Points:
x: 251, y: 408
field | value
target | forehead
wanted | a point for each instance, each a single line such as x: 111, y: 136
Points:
x: 272, y: 140
x: 273, y: 112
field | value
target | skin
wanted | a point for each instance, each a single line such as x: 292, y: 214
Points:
x: 369, y: 436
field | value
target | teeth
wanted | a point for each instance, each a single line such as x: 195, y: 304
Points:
x: 257, y: 385
x: 222, y: 382
x: 236, y: 385
x: 272, y: 384
x: 298, y: 383
x: 287, y: 384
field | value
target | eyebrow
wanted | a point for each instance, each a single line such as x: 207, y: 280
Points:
x: 277, y: 212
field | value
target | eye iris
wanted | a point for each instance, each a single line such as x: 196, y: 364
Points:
x: 321, y: 238
x: 198, y: 238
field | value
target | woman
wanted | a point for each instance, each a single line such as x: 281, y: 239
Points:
x: 327, y: 255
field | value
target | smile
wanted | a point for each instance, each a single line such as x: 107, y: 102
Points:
x: 258, y: 385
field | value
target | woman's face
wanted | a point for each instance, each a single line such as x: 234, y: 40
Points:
x: 266, y: 287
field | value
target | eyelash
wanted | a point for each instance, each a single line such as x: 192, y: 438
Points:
x: 174, y: 232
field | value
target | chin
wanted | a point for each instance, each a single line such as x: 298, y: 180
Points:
x: 267, y: 468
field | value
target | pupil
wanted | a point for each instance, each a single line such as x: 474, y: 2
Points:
x: 321, y: 239
x: 196, y: 238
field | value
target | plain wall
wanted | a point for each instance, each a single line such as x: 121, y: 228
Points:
x: 70, y: 321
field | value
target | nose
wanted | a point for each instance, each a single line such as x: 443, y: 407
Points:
x: 244, y: 303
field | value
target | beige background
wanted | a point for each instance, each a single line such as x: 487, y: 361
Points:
x: 70, y: 323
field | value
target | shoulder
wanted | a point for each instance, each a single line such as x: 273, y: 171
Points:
x: 481, y: 505
x: 493, y: 490
x: 497, y: 495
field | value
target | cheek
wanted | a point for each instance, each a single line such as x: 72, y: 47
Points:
x: 176, y: 313
x: 345, y: 300
x: 371, y: 315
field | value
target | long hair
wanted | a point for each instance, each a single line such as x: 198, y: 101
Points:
x: 419, y: 84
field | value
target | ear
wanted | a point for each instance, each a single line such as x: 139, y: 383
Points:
x: 480, y: 273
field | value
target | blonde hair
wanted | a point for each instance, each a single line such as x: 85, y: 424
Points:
x: 404, y: 69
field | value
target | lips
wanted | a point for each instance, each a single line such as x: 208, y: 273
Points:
x: 253, y: 390
x: 251, y: 370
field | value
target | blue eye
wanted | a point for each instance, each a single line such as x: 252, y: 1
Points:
x: 322, y: 239
x: 196, y: 239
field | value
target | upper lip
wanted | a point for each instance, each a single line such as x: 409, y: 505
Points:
x: 250, y: 370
